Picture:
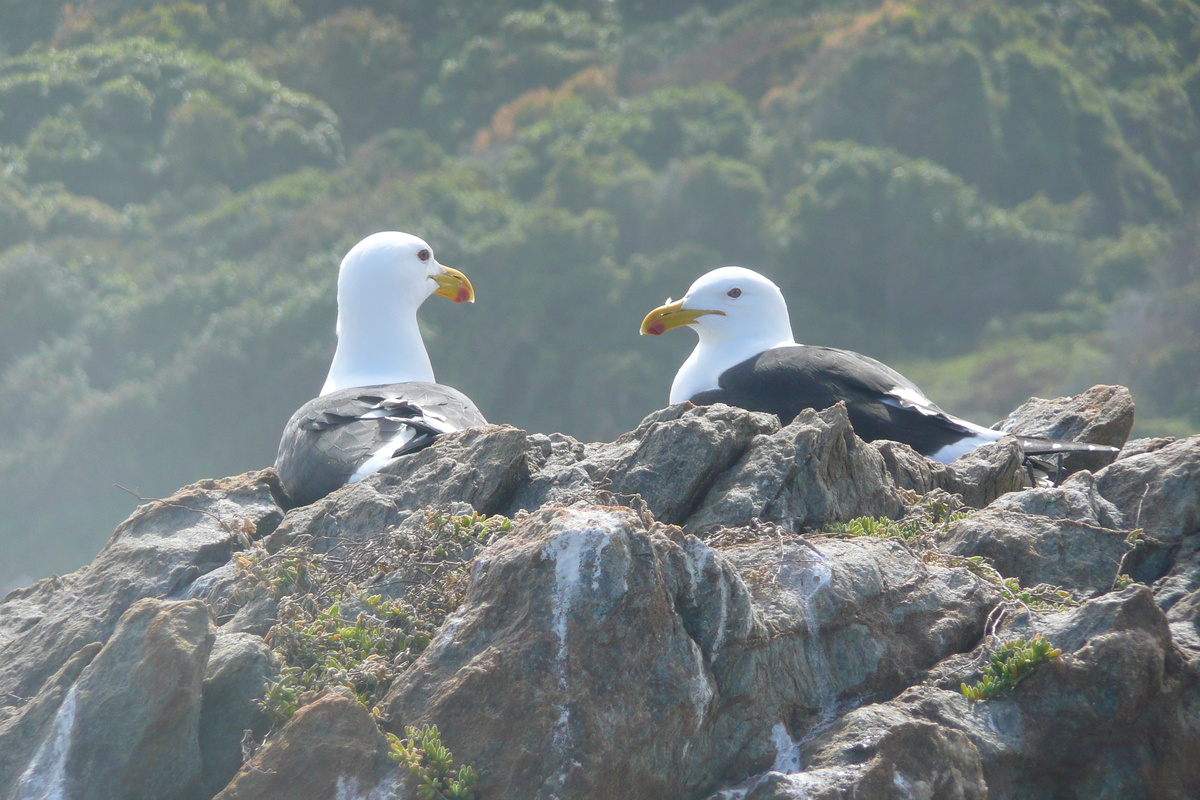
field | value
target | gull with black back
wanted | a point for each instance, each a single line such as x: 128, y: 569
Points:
x: 747, y: 357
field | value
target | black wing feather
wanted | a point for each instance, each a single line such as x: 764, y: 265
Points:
x: 786, y: 380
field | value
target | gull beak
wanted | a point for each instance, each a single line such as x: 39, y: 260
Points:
x: 672, y: 315
x: 453, y: 284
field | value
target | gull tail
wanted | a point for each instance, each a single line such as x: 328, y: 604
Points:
x: 1039, y: 446
x: 1043, y: 458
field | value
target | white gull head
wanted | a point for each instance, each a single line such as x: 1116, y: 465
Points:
x: 382, y: 282
x: 735, y: 312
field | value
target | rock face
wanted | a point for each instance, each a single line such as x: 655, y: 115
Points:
x: 129, y: 725
x: 331, y: 748
x: 695, y: 610
x: 1101, y: 415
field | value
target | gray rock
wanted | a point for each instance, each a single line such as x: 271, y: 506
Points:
x: 669, y: 460
x: 868, y: 612
x: 554, y: 605
x: 1101, y: 415
x: 810, y: 474
x: 600, y: 652
x: 1157, y: 491
x: 28, y: 731
x: 546, y: 632
x: 358, y: 511
x: 158, y: 552
x: 128, y: 728
x: 557, y: 475
x: 987, y: 472
x: 1104, y: 720
x: 1183, y: 578
x: 1080, y: 557
x: 880, y: 751
x: 331, y: 748
x: 1076, y: 499
x: 679, y: 450
x: 480, y: 466
x: 1135, y: 447
x: 234, y: 682
x: 978, y: 477
x: 255, y: 616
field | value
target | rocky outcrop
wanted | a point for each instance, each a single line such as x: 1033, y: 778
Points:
x: 159, y: 552
x: 1101, y: 415
x: 129, y: 725
x: 331, y: 748
x: 695, y: 610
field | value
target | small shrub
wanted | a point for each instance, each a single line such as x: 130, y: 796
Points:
x: 362, y: 613
x: 432, y: 764
x: 1008, y: 666
x: 1041, y: 597
x: 931, y: 512
x: 880, y: 528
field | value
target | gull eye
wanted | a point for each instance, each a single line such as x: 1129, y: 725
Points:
x: 424, y: 255
x: 734, y: 292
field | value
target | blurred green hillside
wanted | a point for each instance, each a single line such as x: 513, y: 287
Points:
x: 1002, y: 199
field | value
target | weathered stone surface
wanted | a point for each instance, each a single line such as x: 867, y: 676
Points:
x: 358, y: 511
x: 680, y: 449
x: 602, y: 653
x: 234, y: 682
x: 811, y: 473
x: 331, y: 748
x: 1184, y: 618
x: 255, y: 616
x: 978, y: 477
x: 158, y: 552
x: 25, y: 732
x: 880, y: 752
x: 1076, y: 499
x: 1080, y: 557
x: 1158, y: 491
x: 669, y: 460
x: 1135, y: 447
x: 480, y: 466
x: 1102, y: 721
x: 553, y: 609
x: 558, y: 474
x: 128, y: 728
x: 539, y: 638
x: 846, y: 620
x: 987, y: 472
x: 1184, y: 576
x: 1101, y: 415
x: 1105, y: 719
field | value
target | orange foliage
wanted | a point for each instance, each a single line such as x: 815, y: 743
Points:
x: 839, y: 43
x: 593, y: 83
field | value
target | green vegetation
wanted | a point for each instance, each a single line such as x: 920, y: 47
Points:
x: 1041, y: 597
x: 401, y: 586
x: 932, y: 513
x: 432, y: 764
x: 1001, y: 199
x: 1008, y: 666
x: 880, y: 528
x: 928, y: 514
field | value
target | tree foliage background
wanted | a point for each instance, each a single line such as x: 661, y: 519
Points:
x: 999, y: 198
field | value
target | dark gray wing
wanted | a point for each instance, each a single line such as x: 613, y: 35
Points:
x: 340, y: 437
